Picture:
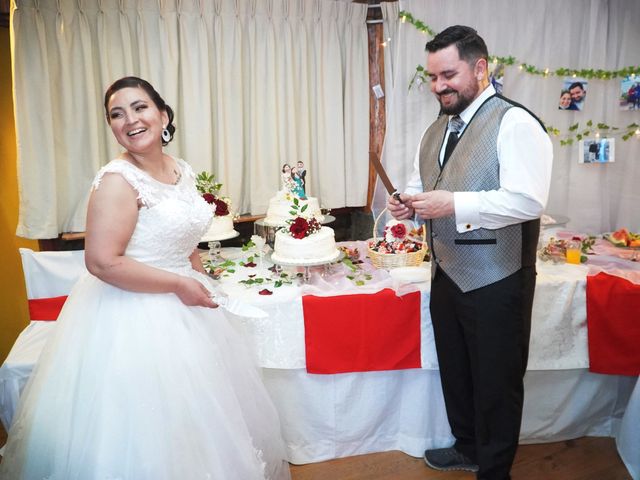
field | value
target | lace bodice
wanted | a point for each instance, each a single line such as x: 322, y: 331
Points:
x: 172, y: 218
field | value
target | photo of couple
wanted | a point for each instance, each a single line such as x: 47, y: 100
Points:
x: 573, y: 94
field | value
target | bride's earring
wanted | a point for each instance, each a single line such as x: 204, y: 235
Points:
x: 166, y: 135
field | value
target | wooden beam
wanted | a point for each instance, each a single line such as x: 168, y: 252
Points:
x: 377, y: 111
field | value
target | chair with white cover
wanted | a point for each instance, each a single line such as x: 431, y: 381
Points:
x: 47, y: 275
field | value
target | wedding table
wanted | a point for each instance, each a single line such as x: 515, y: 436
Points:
x: 376, y: 331
x: 333, y: 415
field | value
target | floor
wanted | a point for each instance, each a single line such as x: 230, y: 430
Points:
x: 587, y: 458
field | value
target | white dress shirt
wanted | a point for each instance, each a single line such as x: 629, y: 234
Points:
x: 525, y: 154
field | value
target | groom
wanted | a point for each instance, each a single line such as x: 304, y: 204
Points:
x: 481, y: 181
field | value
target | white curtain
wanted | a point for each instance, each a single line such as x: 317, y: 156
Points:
x: 254, y: 84
x: 597, y: 34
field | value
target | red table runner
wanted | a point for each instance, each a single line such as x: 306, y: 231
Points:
x: 363, y: 332
x: 613, y: 321
x: 46, y: 309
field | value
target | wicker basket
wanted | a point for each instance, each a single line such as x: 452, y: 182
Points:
x: 394, y: 260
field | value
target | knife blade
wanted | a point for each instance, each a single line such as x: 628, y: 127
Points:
x: 384, y: 178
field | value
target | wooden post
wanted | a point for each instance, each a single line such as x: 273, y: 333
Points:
x: 377, y: 112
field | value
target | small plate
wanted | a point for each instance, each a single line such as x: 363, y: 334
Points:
x: 410, y: 274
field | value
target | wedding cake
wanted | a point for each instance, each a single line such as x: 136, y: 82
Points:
x: 293, y: 186
x: 303, y: 240
x: 221, y: 226
x: 280, y: 206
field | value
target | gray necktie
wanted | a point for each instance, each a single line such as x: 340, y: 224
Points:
x: 455, y: 126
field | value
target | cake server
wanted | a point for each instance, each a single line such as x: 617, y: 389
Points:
x: 237, y: 307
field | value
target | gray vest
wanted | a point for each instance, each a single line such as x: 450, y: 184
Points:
x: 480, y: 257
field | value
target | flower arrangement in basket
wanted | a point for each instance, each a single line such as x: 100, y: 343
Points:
x: 209, y: 189
x: 400, y: 245
x: 300, y: 226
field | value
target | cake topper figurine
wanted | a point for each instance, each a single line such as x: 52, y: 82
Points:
x: 293, y: 182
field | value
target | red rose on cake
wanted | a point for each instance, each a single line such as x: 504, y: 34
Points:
x: 210, y: 191
x: 221, y: 207
x: 299, y: 226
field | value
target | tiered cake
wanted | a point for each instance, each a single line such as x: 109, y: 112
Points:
x: 280, y: 206
x: 221, y: 226
x: 293, y: 187
x: 303, y: 240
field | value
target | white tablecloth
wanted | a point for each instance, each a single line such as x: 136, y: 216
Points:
x: 628, y: 436
x: 331, y: 416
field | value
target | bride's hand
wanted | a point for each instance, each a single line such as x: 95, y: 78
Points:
x: 193, y: 293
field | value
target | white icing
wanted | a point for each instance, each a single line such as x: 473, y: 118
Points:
x: 317, y: 247
x: 220, y: 227
x: 280, y: 207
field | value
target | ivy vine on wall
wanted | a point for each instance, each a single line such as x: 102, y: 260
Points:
x: 575, y: 132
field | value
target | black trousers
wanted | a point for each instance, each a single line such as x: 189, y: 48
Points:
x: 482, y: 341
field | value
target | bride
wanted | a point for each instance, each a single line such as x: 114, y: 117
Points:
x: 143, y: 378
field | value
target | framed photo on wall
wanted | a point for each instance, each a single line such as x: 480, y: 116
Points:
x: 597, y: 150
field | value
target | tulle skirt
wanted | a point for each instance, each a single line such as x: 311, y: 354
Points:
x: 137, y: 386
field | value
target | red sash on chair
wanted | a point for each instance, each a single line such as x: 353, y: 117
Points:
x: 46, y: 309
x: 363, y: 332
x: 613, y: 325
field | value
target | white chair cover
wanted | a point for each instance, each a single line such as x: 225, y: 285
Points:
x: 46, y: 274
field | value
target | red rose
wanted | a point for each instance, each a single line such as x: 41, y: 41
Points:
x: 209, y: 197
x: 399, y: 230
x: 221, y: 208
x: 299, y: 228
x: 264, y: 291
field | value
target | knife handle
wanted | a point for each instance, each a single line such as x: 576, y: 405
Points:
x: 396, y: 195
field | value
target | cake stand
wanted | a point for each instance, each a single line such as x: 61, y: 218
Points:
x: 306, y: 264
x: 224, y: 236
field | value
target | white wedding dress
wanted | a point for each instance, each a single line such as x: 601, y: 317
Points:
x: 138, y: 386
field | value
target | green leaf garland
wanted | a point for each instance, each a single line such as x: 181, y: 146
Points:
x: 575, y: 134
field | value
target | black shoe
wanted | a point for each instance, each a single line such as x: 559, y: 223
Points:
x: 445, y: 459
